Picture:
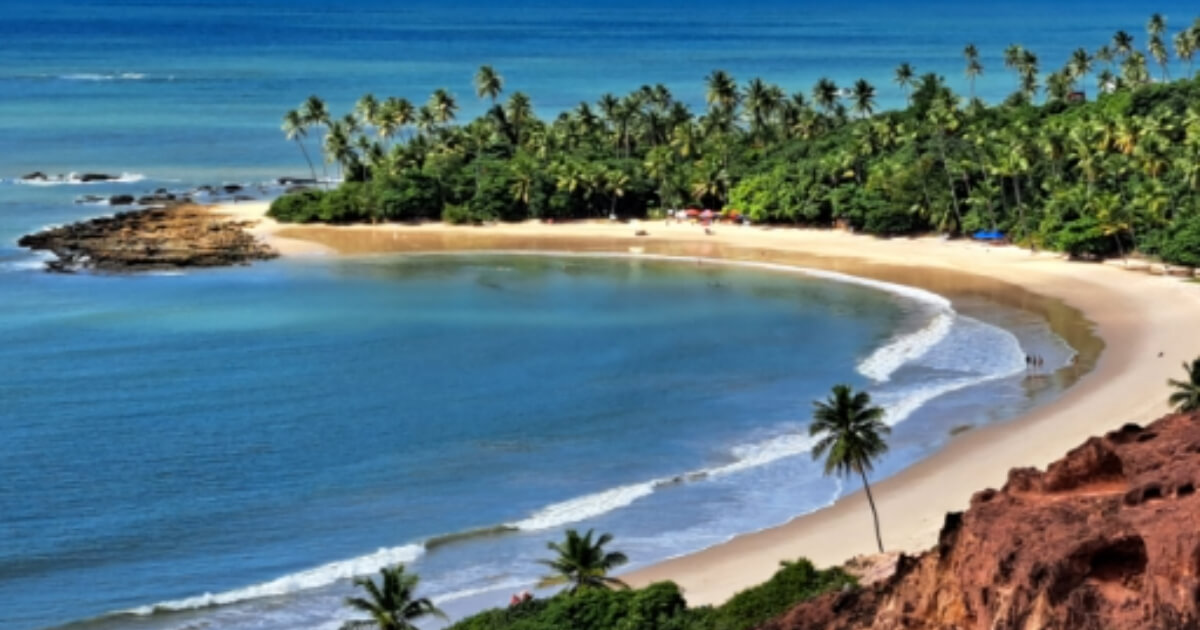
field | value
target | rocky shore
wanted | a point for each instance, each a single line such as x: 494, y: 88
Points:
x: 1104, y: 539
x: 173, y: 237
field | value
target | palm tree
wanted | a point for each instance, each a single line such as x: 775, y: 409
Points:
x: 582, y: 563
x: 1080, y: 64
x: 519, y: 112
x: 1158, y: 50
x: 826, y: 94
x: 863, y: 97
x: 904, y: 78
x: 1157, y: 25
x: 1186, y: 397
x: 488, y: 83
x: 443, y: 106
x: 367, y: 109
x: 1122, y: 43
x: 391, y: 603
x: 1185, y: 48
x: 974, y: 68
x: 295, y: 129
x: 722, y: 90
x: 850, y: 430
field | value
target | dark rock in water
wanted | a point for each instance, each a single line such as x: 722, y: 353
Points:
x: 143, y: 240
x: 232, y: 188
x: 161, y: 191
x: 120, y: 200
x: 97, y: 177
x: 90, y: 199
x: 288, y: 181
x: 150, y: 200
x: 36, y: 176
x: 206, y: 189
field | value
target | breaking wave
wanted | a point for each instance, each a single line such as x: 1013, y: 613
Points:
x: 323, y: 575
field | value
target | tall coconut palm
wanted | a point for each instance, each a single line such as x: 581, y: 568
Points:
x: 904, y: 78
x: 974, y: 67
x: 1122, y: 43
x: 722, y: 90
x: 1186, y: 397
x: 391, y: 604
x: 1156, y: 25
x: 488, y: 83
x: 367, y: 109
x: 295, y: 129
x: 1185, y: 48
x: 1080, y: 63
x: 850, y: 434
x: 1158, y: 50
x: 826, y: 94
x: 443, y: 106
x: 519, y: 112
x: 862, y: 98
x: 582, y: 563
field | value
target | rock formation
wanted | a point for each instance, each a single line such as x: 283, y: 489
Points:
x: 144, y: 240
x: 1107, y: 538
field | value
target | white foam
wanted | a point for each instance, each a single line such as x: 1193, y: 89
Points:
x: 94, y: 76
x: 73, y: 179
x: 587, y: 506
x: 305, y: 580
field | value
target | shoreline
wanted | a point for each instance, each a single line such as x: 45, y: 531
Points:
x: 1136, y: 316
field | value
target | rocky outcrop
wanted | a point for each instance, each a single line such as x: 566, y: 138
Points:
x: 152, y: 239
x: 87, y: 178
x: 1107, y: 538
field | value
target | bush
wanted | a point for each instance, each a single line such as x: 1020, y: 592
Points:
x: 1183, y: 245
x: 298, y: 207
x: 661, y: 606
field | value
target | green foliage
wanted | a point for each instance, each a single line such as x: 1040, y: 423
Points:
x: 1095, y: 179
x: 662, y: 606
x: 793, y: 583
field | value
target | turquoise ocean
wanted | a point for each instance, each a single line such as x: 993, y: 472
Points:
x: 225, y: 449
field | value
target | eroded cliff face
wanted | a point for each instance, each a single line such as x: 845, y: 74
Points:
x: 1106, y: 538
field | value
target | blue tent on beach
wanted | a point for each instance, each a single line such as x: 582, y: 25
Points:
x: 988, y: 235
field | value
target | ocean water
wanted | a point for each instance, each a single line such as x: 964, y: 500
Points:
x: 223, y: 449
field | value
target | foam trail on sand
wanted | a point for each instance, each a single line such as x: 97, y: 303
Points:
x: 323, y: 575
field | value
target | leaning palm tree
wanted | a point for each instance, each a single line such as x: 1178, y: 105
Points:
x: 1186, y: 397
x: 488, y: 83
x: 295, y: 129
x: 850, y: 431
x: 391, y: 603
x: 582, y: 564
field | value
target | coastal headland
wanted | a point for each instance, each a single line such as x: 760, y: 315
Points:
x: 1144, y: 323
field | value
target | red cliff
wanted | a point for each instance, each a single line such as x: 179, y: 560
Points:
x: 1107, y: 538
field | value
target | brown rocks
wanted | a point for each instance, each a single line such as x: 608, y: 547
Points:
x: 1105, y: 539
x: 144, y: 240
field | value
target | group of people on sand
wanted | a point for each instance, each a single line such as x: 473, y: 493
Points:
x: 1034, y: 361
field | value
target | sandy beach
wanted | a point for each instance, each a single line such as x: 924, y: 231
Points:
x: 1147, y: 324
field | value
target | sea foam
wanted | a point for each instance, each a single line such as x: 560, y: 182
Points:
x: 323, y: 575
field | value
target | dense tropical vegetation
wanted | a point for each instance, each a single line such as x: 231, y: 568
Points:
x: 662, y: 607
x: 1051, y: 170
x: 849, y: 432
